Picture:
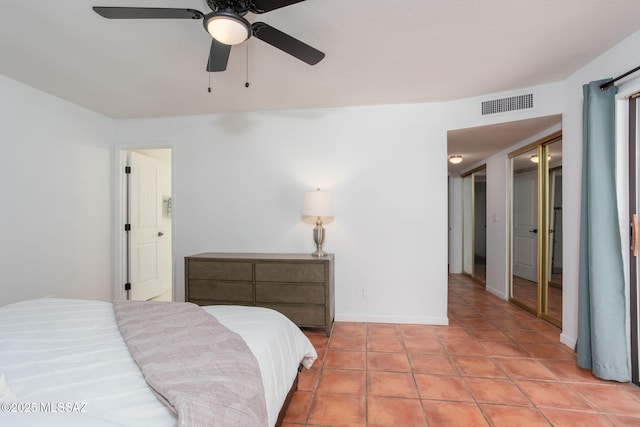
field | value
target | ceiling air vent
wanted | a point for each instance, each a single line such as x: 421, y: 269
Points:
x: 504, y: 105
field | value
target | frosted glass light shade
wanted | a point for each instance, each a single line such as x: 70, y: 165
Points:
x: 227, y: 28
x: 317, y: 204
x: 534, y: 158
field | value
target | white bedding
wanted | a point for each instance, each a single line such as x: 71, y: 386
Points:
x: 68, y: 355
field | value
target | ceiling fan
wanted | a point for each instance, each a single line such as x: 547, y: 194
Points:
x: 227, y: 26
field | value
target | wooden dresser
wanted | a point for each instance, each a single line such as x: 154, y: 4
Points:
x: 300, y: 286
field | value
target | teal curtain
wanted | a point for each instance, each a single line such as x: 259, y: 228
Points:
x: 602, y: 341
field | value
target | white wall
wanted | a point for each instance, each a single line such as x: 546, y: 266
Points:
x: 497, y: 226
x: 56, y: 189
x: 239, y: 180
x: 465, y: 113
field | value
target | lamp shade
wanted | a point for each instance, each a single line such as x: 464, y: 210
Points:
x: 227, y: 27
x: 317, y: 204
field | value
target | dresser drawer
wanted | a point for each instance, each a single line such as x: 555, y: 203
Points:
x: 220, y: 291
x: 290, y: 293
x: 290, y: 272
x: 220, y: 270
x: 217, y: 302
x: 301, y: 314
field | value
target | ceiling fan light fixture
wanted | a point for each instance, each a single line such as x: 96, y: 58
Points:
x: 227, y: 27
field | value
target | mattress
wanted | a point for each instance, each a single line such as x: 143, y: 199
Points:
x: 67, y: 364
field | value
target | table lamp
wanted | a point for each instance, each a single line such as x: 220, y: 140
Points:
x: 318, y: 204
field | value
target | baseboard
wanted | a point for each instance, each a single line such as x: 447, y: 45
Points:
x: 497, y: 293
x: 418, y: 320
x: 568, y: 341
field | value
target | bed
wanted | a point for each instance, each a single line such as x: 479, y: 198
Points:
x: 65, y: 363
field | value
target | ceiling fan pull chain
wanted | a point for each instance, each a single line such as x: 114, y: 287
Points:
x: 246, y: 83
x: 209, y: 88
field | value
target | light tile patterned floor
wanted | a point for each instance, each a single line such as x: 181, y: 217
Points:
x: 494, y: 365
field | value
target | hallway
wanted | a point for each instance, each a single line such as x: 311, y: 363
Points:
x: 494, y: 365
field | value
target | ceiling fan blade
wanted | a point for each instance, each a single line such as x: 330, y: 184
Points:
x: 262, y: 6
x: 286, y: 43
x: 218, y: 56
x: 147, y: 13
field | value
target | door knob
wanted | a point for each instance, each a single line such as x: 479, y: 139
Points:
x: 160, y: 234
x: 535, y: 230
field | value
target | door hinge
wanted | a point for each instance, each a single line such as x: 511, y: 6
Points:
x: 127, y: 286
x: 127, y: 169
x: 127, y: 227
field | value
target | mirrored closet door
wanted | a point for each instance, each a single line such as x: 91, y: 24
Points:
x: 536, y: 228
x: 474, y: 207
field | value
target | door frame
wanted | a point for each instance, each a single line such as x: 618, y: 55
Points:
x: 623, y: 173
x: 119, y: 235
x: 624, y: 144
x: 633, y: 259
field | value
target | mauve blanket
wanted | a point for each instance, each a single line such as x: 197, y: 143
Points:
x: 204, y: 371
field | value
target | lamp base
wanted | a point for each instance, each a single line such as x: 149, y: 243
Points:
x: 319, y: 253
x: 318, y: 238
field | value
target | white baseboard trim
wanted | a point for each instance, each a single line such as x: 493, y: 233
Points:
x: 568, y: 341
x: 419, y: 320
x: 497, y: 293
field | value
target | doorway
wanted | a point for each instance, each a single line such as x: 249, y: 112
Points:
x: 474, y: 227
x: 147, y: 210
x: 536, y: 228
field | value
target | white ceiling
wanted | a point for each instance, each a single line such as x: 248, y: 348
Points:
x: 377, y: 52
x: 479, y: 143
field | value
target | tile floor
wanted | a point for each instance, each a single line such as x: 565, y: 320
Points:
x: 494, y: 365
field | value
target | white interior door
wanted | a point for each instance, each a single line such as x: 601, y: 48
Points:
x: 149, y: 275
x: 525, y: 225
